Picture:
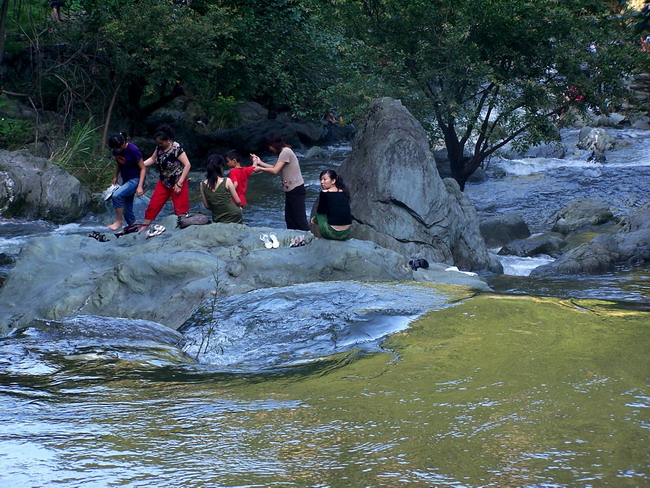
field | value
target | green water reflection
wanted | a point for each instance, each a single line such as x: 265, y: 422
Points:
x: 496, y: 391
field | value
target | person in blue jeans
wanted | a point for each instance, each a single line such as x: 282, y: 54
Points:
x: 130, y: 166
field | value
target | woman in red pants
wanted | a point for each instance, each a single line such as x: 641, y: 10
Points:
x: 172, y: 164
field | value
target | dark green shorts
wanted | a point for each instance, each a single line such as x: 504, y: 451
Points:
x: 327, y: 232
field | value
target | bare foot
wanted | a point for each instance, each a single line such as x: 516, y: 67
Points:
x: 115, y: 225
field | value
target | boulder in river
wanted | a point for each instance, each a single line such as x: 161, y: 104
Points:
x: 580, y: 214
x: 630, y: 246
x: 502, y: 229
x: 33, y: 188
x: 400, y: 202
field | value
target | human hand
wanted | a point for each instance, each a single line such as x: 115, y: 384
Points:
x: 139, y: 192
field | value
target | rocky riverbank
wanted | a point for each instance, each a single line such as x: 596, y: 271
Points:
x: 166, y: 278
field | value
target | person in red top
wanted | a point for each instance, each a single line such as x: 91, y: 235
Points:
x: 238, y: 174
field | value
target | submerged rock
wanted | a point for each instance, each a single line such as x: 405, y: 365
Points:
x: 166, y: 278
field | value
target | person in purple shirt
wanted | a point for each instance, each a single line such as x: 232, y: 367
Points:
x: 130, y: 166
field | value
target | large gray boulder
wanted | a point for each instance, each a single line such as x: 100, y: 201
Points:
x: 165, y: 279
x: 499, y: 230
x: 33, y: 188
x: 399, y: 200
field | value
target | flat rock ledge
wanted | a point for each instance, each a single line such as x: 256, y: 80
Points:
x: 167, y: 277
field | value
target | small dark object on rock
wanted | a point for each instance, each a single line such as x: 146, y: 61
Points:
x: 419, y: 263
x: 99, y: 237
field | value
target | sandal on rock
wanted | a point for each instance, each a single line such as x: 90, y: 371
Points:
x: 297, y: 241
x: 98, y: 237
x: 155, y: 231
x: 267, y: 241
x: 274, y: 241
x: 129, y: 229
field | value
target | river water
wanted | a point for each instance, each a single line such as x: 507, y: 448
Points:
x: 345, y: 384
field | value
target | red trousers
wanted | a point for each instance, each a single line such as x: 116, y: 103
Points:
x: 160, y: 196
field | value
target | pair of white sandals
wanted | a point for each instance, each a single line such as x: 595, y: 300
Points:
x: 155, y: 230
x: 270, y: 241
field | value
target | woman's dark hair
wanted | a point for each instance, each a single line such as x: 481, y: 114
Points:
x: 339, y: 181
x: 214, y: 167
x: 276, y: 141
x: 233, y: 154
x: 117, y: 140
x: 164, y: 132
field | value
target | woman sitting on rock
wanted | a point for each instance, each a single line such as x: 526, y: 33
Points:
x: 333, y: 218
x: 172, y: 164
x: 218, y: 193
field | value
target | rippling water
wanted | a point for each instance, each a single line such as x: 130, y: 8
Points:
x: 495, y: 391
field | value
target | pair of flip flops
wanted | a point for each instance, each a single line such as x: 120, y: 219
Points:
x: 270, y: 241
x: 155, y: 230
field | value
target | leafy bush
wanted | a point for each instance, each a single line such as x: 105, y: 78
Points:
x: 219, y: 113
x: 15, y: 133
x: 78, y: 157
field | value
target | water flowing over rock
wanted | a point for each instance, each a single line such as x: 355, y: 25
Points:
x: 34, y: 188
x: 166, y: 279
x: 399, y: 200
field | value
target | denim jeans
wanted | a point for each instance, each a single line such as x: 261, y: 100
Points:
x: 123, y: 198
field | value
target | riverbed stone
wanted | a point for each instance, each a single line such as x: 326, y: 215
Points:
x: 166, y: 278
x: 33, y: 188
x: 580, y: 214
x: 499, y: 230
x: 398, y: 199
x: 550, y: 244
x: 629, y: 246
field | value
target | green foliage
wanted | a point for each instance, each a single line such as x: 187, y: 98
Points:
x: 219, y: 113
x: 482, y: 73
x: 77, y: 156
x: 15, y: 133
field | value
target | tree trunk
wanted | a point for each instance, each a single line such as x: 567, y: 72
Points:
x: 4, y: 9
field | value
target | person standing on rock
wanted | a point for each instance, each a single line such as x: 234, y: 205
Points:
x: 128, y: 165
x: 172, y: 164
x: 293, y: 185
x: 218, y: 193
x: 333, y: 218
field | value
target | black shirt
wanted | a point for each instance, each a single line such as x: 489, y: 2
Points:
x: 336, y: 205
